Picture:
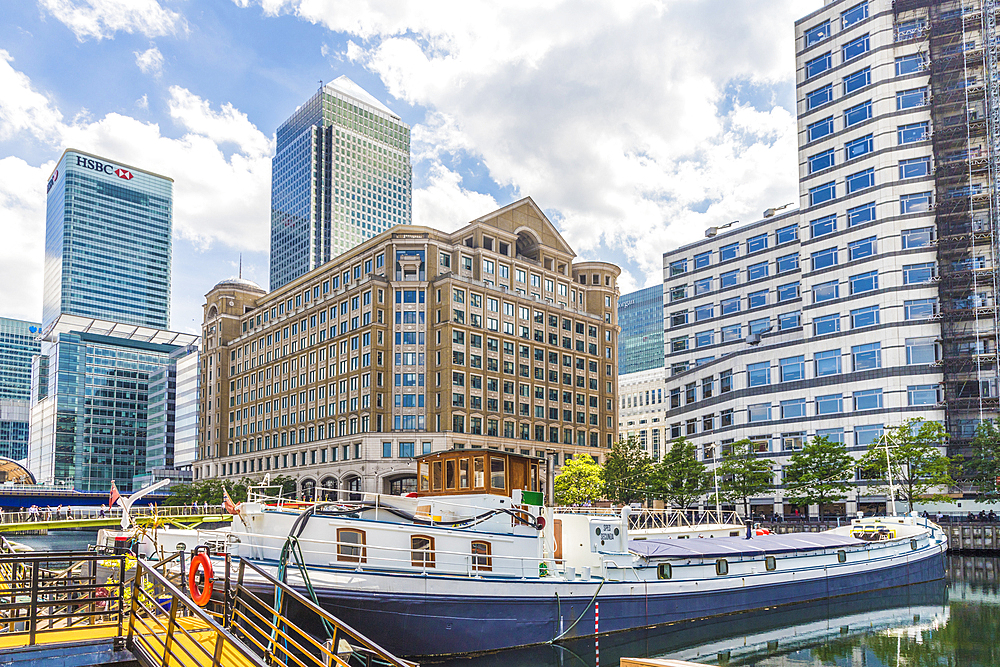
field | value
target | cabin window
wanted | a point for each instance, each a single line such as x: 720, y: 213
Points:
x: 497, y: 477
x: 425, y: 477
x: 480, y: 472
x: 436, y: 475
x: 664, y: 571
x: 722, y: 566
x: 421, y: 551
x: 734, y: 533
x: 463, y: 473
x: 913, y: 545
x: 482, y: 560
x: 534, y: 477
x: 770, y: 563
x: 449, y: 474
x: 841, y: 556
x: 351, y: 545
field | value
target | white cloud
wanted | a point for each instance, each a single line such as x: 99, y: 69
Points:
x: 150, y: 61
x: 22, y: 254
x: 101, y: 19
x: 143, y: 102
x: 445, y: 204
x: 23, y: 109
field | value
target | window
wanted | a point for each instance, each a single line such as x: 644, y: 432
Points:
x: 757, y: 271
x: 861, y: 180
x: 702, y: 260
x: 858, y: 147
x: 481, y: 559
x: 824, y: 258
x: 861, y: 214
x: 770, y: 563
x: 915, y: 203
x: 817, y: 34
x: 422, y: 548
x: 757, y: 299
x: 788, y: 263
x: 868, y: 399
x: 864, y: 282
x: 792, y: 368
x: 918, y: 273
x: 862, y: 248
x: 721, y: 567
x: 922, y: 394
x: 822, y: 193
x: 677, y: 319
x: 704, y: 338
x: 826, y: 324
x: 864, y: 317
x: 855, y: 47
x: 789, y: 320
x: 919, y: 309
x: 857, y: 80
x: 830, y: 404
x: 818, y: 65
x: 909, y: 64
x: 831, y: 434
x: 908, y: 99
x: 793, y: 408
x: 858, y: 113
x: 760, y: 326
x: 756, y: 243
x: 759, y: 374
x: 788, y: 292
x: 730, y: 306
x: 917, y: 238
x: 867, y: 434
x: 826, y: 291
x: 760, y: 412
x: 351, y: 545
x: 907, y: 134
x: 819, y: 97
x: 825, y: 225
x: 908, y: 30
x: 786, y: 234
x: 497, y: 475
x: 678, y: 267
x: 821, y: 161
x: 732, y: 332
x: 866, y: 357
x: 664, y: 571
x: 678, y: 292
x: 819, y: 129
x: 728, y: 252
x: 729, y: 279
x: 854, y: 14
x: 704, y: 312
x: 920, y: 351
x: 827, y: 362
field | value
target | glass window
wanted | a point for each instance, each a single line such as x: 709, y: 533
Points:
x: 830, y: 404
x: 822, y: 193
x: 826, y: 291
x: 855, y: 47
x: 730, y: 306
x: 918, y: 273
x: 702, y: 260
x: 728, y: 252
x: 908, y: 99
x: 860, y: 180
x: 922, y: 394
x: 908, y: 30
x: 755, y: 271
x: 821, y: 161
x: 788, y: 263
x: 759, y: 374
x: 824, y: 258
x: 862, y: 248
x: 790, y: 320
x: 917, y: 238
x: 792, y: 368
x: 793, y: 408
x: 760, y: 326
x: 678, y: 319
x: 864, y: 282
x: 787, y: 234
x: 866, y: 357
x: 907, y: 134
x: 854, y: 14
x: 920, y: 351
x: 704, y: 312
x: 678, y: 292
x: 704, y: 338
x: 729, y: 279
x: 819, y: 129
x: 919, y: 309
x: 864, y: 317
x: 861, y: 214
x: 915, y: 168
x: 910, y: 64
x: 732, y: 332
x: 817, y: 34
x: 678, y: 267
x: 867, y: 434
x: 760, y: 412
x: 858, y: 147
x: 858, y: 113
x: 702, y: 286
x: 819, y: 97
x: 827, y: 362
x: 919, y: 202
x: 831, y: 434
x: 788, y: 292
x: 868, y: 399
x: 824, y: 225
x: 818, y: 65
x: 826, y: 324
x: 857, y: 80
x: 757, y: 299
x: 756, y: 243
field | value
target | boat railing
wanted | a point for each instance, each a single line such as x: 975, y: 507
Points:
x: 653, y: 519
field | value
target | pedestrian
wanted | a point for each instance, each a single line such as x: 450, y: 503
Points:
x: 104, y: 511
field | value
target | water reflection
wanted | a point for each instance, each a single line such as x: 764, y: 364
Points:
x: 954, y: 622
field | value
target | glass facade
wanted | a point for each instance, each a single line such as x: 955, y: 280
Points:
x: 171, y: 422
x: 640, y: 345
x: 341, y: 174
x: 18, y: 343
x: 107, y: 242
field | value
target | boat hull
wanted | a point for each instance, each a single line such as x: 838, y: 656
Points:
x: 445, y: 617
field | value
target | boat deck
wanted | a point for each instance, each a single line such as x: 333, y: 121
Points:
x: 719, y: 547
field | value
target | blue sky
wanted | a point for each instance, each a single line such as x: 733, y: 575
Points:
x: 634, y: 124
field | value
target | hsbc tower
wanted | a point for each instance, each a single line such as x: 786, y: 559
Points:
x: 107, y: 242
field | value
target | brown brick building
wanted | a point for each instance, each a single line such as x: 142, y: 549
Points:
x: 416, y: 340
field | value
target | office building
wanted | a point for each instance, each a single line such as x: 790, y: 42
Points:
x: 640, y: 344
x: 416, y: 340
x: 18, y: 343
x: 90, y: 401
x: 642, y: 410
x: 107, y: 242
x: 340, y: 174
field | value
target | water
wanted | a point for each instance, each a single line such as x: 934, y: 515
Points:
x: 58, y: 540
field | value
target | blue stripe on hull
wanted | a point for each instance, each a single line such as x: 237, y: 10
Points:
x: 417, y: 625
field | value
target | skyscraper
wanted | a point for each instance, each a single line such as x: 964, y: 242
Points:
x: 341, y: 174
x: 18, y: 343
x: 640, y: 343
x: 107, y: 242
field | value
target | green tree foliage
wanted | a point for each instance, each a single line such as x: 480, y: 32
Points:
x: 626, y: 472
x: 743, y: 475
x: 819, y: 473
x: 918, y: 466
x: 579, y: 482
x: 679, y: 479
x: 210, y: 490
x: 985, y: 464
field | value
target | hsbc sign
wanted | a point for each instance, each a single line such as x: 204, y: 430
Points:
x: 103, y: 167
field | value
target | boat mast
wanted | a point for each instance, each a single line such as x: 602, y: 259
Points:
x: 888, y: 472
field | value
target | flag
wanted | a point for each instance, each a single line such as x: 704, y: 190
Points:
x: 228, y: 504
x: 114, y: 495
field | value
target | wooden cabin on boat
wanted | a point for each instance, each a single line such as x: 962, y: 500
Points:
x: 474, y: 471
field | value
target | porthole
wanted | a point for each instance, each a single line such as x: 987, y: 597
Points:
x: 770, y: 563
x: 664, y: 571
x: 722, y: 566
x: 913, y: 545
x: 597, y: 531
x: 841, y: 556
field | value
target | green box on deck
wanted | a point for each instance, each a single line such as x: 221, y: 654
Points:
x: 531, y: 498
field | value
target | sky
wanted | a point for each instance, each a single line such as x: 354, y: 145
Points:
x: 634, y: 124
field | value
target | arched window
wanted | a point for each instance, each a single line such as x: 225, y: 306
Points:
x: 351, y: 545
x: 421, y: 551
x: 482, y: 560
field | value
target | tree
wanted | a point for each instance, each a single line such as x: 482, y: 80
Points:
x: 819, y: 473
x: 985, y: 463
x: 210, y: 490
x: 917, y: 463
x: 579, y: 482
x: 625, y: 472
x: 743, y: 474
x: 679, y: 478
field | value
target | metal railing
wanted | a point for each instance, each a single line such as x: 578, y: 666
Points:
x: 86, y: 512
x: 654, y: 519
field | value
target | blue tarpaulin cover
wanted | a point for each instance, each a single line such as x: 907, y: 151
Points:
x: 719, y: 547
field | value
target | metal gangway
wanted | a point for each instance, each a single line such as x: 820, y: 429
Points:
x: 75, y: 601
x: 181, y: 516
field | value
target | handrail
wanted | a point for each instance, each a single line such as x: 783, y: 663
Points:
x: 660, y: 518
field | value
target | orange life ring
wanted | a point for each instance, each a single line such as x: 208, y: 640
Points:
x: 200, y: 561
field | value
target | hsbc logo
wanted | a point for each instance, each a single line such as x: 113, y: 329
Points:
x: 52, y: 180
x: 123, y: 173
x: 103, y: 167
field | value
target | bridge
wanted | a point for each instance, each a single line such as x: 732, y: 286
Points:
x: 186, y: 516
